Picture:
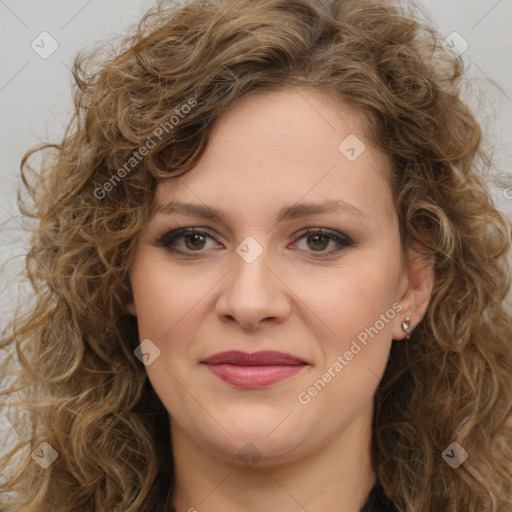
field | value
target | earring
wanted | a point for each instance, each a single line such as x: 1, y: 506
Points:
x: 406, y: 326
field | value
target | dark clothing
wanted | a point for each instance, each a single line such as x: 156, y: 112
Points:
x: 377, y: 501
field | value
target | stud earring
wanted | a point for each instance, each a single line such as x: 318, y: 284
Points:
x: 406, y: 326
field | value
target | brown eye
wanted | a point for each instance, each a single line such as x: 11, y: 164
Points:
x: 187, y: 241
x: 318, y: 240
x: 194, y: 240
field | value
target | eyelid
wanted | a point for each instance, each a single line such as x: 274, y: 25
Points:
x: 180, y: 232
x: 344, y: 241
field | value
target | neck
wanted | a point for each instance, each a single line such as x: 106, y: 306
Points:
x: 336, y: 477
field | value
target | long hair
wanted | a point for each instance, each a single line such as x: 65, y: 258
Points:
x: 76, y: 384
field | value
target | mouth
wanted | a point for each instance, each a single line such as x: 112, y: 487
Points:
x: 254, y: 370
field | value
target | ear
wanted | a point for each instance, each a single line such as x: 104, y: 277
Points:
x: 416, y: 287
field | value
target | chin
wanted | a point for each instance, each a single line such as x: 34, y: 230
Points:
x: 253, y: 437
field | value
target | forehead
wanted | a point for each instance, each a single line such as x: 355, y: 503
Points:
x: 276, y: 148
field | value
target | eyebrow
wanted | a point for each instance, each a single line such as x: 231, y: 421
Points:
x: 286, y: 213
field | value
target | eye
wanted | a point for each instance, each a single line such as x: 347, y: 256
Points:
x: 193, y: 240
x: 319, y: 239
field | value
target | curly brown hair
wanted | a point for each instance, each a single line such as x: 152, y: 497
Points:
x: 77, y: 382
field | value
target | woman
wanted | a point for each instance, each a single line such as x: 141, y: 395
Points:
x: 267, y: 274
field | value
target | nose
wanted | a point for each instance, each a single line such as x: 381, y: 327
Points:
x: 253, y: 294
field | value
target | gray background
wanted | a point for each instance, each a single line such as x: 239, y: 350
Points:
x: 35, y: 93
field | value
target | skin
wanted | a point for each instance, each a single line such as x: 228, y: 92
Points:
x: 275, y: 149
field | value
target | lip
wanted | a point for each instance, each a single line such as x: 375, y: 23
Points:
x: 262, y: 358
x: 254, y: 370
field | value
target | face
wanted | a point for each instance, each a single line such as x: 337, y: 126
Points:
x: 303, y: 258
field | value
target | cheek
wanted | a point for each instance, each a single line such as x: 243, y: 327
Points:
x: 164, y: 295
x: 352, y: 298
x: 356, y: 305
x: 165, y: 300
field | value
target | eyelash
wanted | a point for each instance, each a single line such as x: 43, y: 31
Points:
x: 174, y: 235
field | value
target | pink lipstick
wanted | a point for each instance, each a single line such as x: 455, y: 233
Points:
x: 254, y: 370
